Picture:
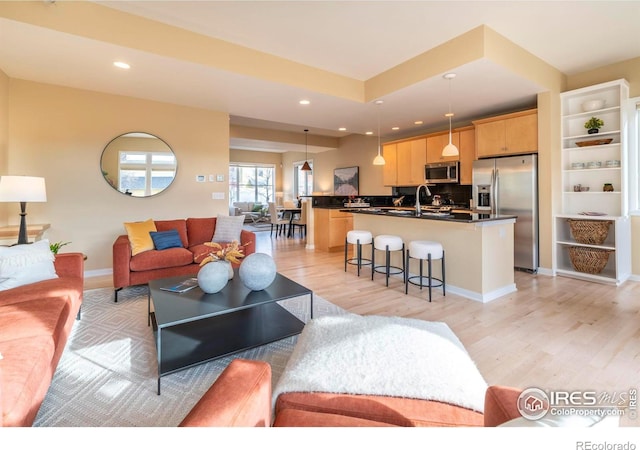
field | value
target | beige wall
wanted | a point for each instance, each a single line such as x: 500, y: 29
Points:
x: 4, y: 134
x: 354, y: 150
x: 59, y: 133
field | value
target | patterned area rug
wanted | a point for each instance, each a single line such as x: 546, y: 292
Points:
x: 107, y: 376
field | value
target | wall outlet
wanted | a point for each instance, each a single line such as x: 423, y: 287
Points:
x: 217, y: 196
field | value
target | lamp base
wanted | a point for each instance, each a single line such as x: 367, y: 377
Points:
x: 22, y: 235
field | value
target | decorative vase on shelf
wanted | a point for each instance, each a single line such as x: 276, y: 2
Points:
x: 592, y: 131
x: 214, y: 276
x: 608, y: 187
x: 257, y: 271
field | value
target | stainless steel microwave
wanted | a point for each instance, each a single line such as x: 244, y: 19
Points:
x: 444, y: 172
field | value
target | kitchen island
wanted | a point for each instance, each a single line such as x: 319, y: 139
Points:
x: 478, y: 247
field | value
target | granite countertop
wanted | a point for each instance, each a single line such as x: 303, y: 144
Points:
x: 409, y: 213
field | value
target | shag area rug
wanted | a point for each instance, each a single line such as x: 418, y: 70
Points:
x: 107, y: 376
x: 378, y: 355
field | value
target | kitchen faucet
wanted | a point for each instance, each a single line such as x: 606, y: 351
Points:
x: 427, y: 191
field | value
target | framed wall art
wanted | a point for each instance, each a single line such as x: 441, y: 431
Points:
x: 345, y: 181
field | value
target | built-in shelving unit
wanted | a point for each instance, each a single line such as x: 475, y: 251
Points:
x: 583, y: 183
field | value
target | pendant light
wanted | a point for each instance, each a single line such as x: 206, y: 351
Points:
x: 450, y: 149
x: 306, y: 167
x: 379, y: 160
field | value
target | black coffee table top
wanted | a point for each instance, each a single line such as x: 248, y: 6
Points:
x: 172, y: 308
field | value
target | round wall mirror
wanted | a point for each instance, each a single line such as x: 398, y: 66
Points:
x: 138, y: 164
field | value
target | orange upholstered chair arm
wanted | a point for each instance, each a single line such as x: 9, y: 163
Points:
x: 121, y: 261
x: 240, y: 397
x: 69, y: 265
x: 500, y: 405
x: 248, y: 239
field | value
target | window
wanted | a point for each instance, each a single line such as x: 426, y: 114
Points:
x: 145, y: 173
x: 251, y: 183
x: 302, y: 179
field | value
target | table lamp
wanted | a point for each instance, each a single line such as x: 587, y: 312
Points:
x: 23, y: 190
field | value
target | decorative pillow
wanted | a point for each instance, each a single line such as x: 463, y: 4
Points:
x: 257, y: 207
x: 139, y: 236
x: 228, y: 228
x: 26, y: 264
x: 165, y: 239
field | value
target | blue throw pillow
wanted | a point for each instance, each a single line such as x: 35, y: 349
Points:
x: 165, y: 239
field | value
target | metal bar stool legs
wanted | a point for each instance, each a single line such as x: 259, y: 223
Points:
x: 358, y: 238
x: 388, y: 244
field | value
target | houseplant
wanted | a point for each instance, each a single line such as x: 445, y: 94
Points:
x: 55, y: 246
x: 593, y: 125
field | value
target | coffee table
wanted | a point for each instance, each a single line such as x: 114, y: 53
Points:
x: 192, y: 328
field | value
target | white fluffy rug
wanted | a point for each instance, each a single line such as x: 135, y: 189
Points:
x: 386, y: 356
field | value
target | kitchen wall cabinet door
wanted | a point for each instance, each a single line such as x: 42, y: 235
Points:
x: 390, y: 168
x: 436, y: 143
x: 510, y: 134
x: 467, y: 149
x: 412, y: 156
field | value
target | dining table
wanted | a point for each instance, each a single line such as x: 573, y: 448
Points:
x: 291, y: 212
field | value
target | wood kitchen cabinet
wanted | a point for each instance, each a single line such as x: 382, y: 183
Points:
x: 467, y: 149
x: 437, y: 142
x: 330, y: 229
x: 509, y: 134
x: 411, y: 158
x: 390, y: 168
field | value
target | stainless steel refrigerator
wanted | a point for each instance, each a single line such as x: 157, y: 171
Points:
x: 509, y: 186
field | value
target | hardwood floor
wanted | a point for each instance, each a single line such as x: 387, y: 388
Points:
x: 553, y: 333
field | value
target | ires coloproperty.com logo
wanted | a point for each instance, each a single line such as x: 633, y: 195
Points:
x: 534, y: 403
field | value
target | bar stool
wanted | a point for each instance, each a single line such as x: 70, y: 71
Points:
x: 429, y: 251
x: 387, y: 243
x: 358, y: 238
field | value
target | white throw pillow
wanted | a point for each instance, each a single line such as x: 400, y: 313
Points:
x: 26, y: 264
x: 228, y: 228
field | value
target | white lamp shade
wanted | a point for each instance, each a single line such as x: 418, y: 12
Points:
x: 378, y: 160
x: 22, y: 189
x: 450, y: 150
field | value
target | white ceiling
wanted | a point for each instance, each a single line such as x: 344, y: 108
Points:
x: 357, y: 39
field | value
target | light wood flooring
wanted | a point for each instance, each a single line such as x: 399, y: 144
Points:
x: 553, y: 333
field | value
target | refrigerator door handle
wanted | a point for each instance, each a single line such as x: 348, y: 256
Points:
x: 496, y: 188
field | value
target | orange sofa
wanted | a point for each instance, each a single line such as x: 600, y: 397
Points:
x: 241, y: 396
x: 153, y: 264
x: 35, y: 322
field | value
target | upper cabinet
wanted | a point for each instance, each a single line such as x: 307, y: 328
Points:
x: 411, y: 157
x: 390, y: 168
x: 509, y: 134
x: 467, y: 149
x: 435, y: 144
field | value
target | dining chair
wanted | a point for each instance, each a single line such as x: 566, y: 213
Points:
x: 300, y: 221
x: 277, y: 220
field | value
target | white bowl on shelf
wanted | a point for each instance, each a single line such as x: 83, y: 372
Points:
x: 592, y: 105
x: 594, y: 165
x: 613, y: 163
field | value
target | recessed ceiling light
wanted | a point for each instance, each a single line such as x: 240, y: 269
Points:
x: 342, y: 129
x: 395, y: 128
x: 369, y: 133
x: 304, y: 102
x: 418, y: 122
x: 121, y: 65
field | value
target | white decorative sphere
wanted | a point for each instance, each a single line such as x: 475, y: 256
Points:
x: 257, y: 271
x: 213, y: 277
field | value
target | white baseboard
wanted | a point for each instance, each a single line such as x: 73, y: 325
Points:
x: 97, y: 273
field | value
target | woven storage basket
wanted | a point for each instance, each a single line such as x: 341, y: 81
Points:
x: 589, y: 231
x: 589, y: 260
